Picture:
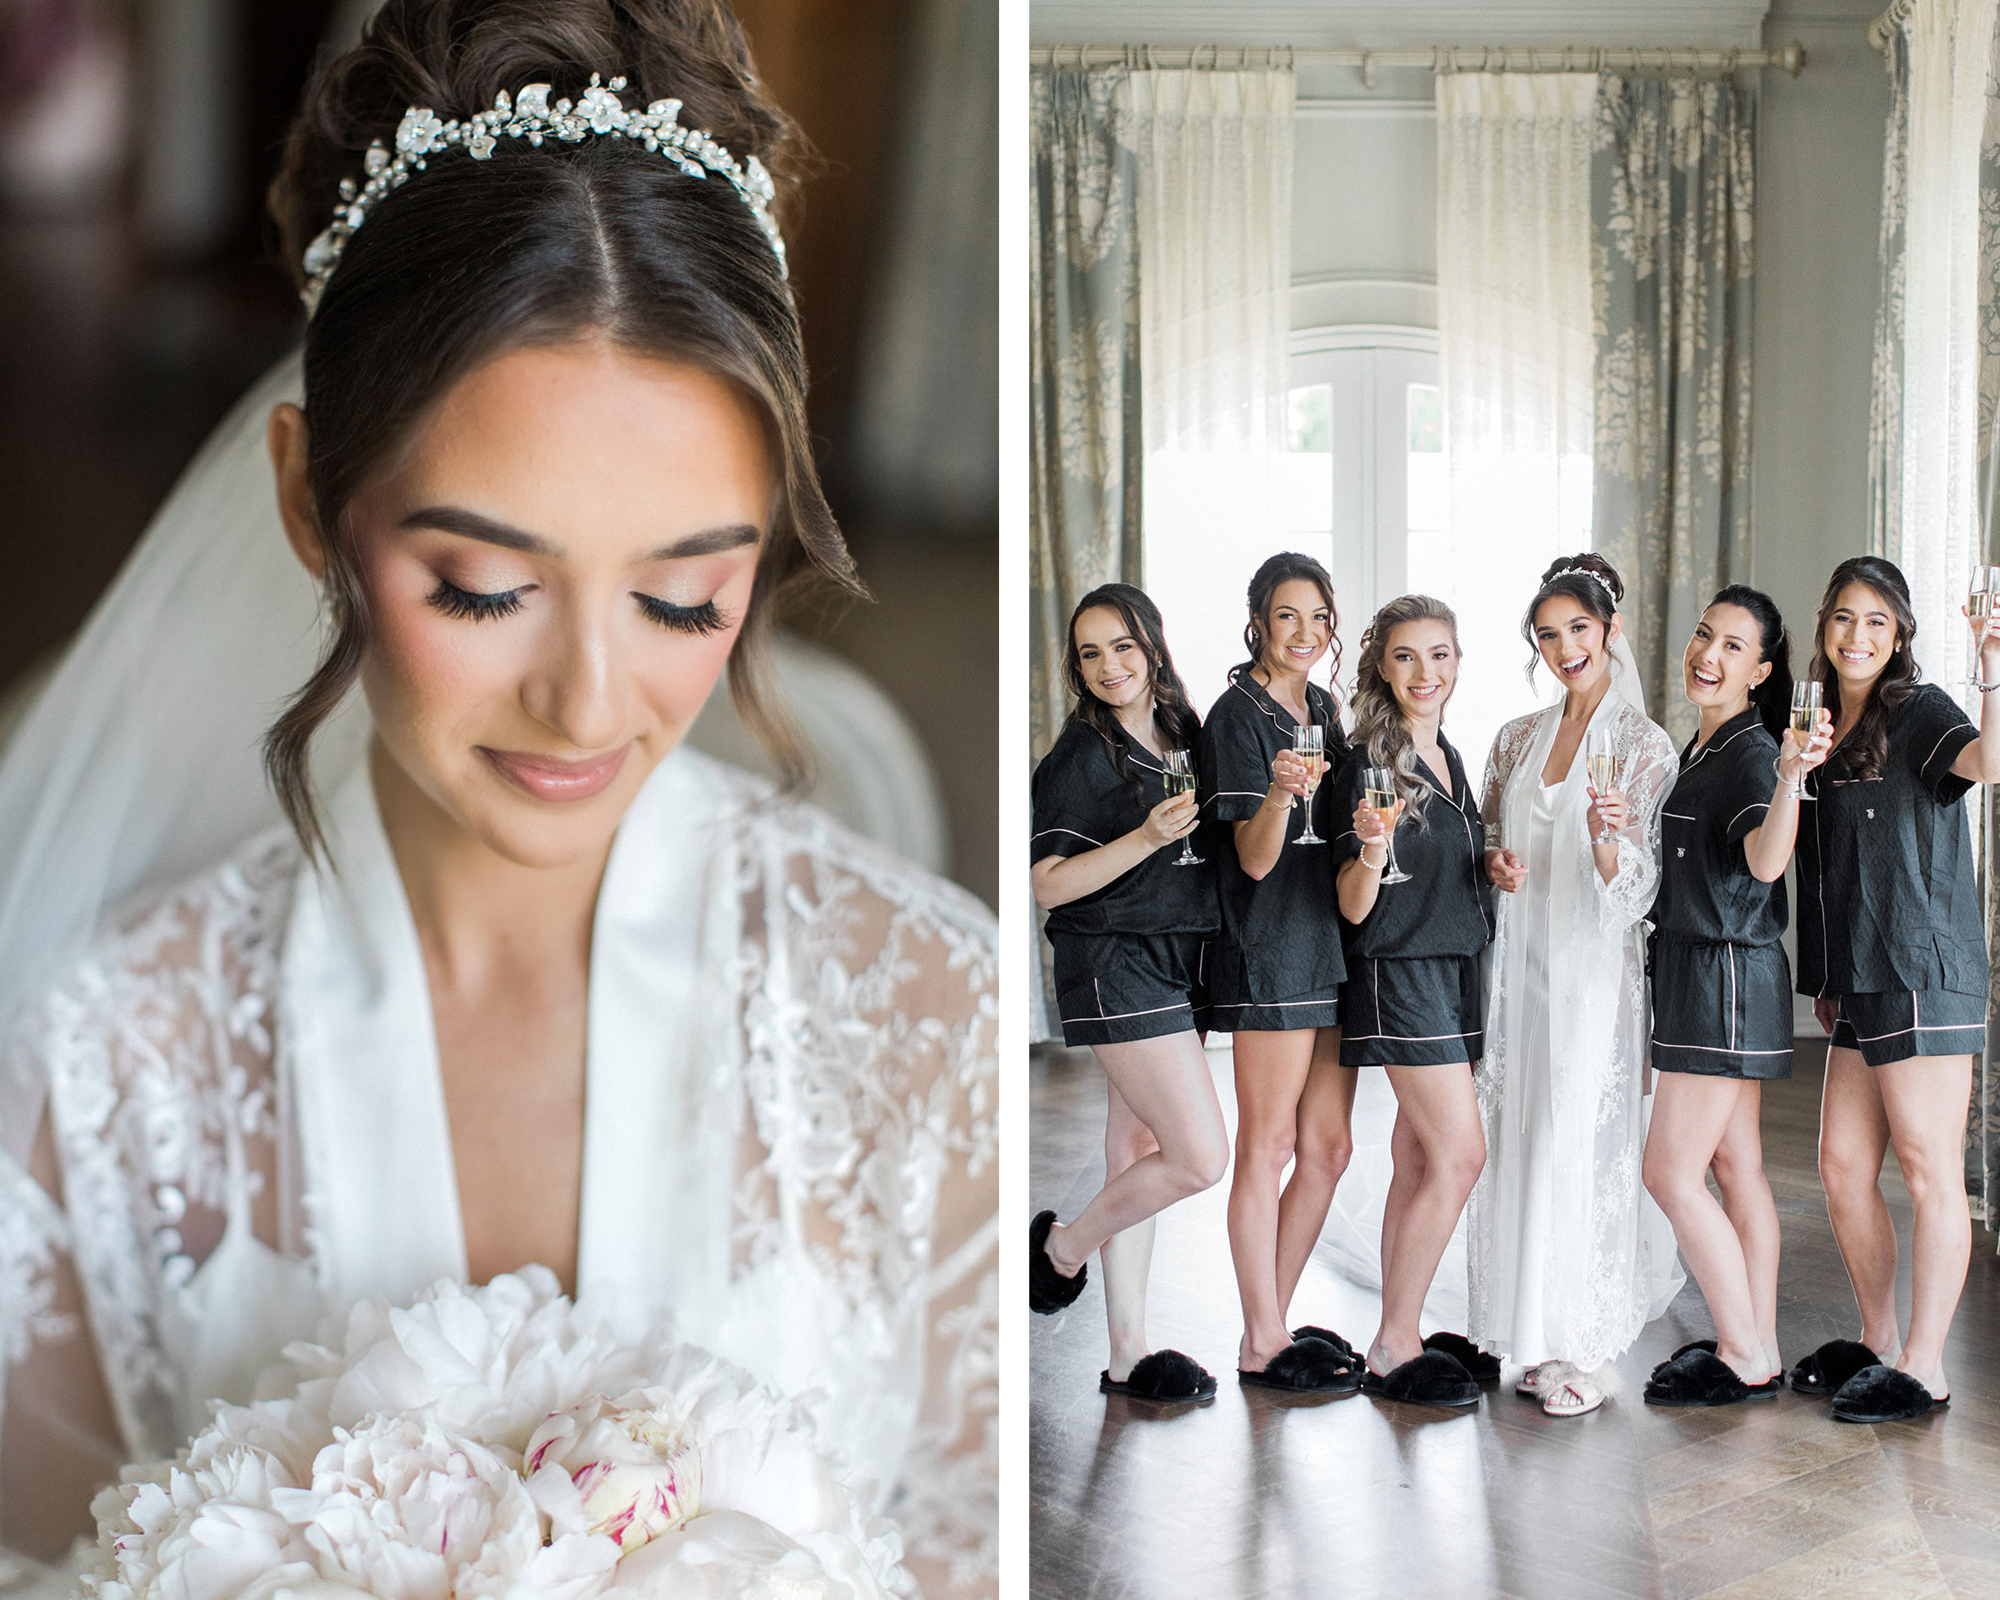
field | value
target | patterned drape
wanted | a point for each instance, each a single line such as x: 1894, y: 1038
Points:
x: 1672, y: 200
x: 1085, y: 450
x: 1885, y: 406
x: 1085, y: 447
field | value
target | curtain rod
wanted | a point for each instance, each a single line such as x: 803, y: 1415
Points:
x: 1444, y: 58
x: 1885, y: 27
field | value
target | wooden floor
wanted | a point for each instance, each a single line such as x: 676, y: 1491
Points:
x: 1259, y: 1494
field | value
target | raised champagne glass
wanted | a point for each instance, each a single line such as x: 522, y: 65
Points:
x: 1181, y: 780
x: 1378, y: 794
x: 1309, y: 745
x: 1601, y: 762
x: 1981, y: 600
x: 1805, y: 710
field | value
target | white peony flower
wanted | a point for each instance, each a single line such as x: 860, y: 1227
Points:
x: 469, y: 1448
x: 628, y: 1469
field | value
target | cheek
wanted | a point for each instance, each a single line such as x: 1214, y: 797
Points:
x: 431, y: 664
x: 676, y: 672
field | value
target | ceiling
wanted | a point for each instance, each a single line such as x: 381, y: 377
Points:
x: 1373, y: 24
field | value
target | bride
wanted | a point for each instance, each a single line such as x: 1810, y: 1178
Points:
x: 521, y: 978
x: 1567, y: 1257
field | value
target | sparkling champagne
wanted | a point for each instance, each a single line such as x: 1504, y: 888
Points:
x: 1180, y: 783
x: 1603, y: 770
x: 1979, y: 604
x: 1803, y: 718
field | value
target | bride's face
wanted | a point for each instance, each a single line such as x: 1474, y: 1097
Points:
x: 555, y: 569
x: 1575, y: 646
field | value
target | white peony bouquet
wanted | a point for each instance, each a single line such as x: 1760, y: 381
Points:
x: 490, y: 1443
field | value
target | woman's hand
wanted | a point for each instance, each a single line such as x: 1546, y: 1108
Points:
x: 1826, y: 1013
x: 1609, y: 812
x: 1369, y: 826
x: 1173, y: 818
x: 1796, y: 760
x: 1505, y: 870
x: 1289, y: 777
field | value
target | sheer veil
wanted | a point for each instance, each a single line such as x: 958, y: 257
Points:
x: 140, y: 762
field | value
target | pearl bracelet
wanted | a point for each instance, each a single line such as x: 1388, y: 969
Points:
x: 1795, y: 788
x: 1374, y: 866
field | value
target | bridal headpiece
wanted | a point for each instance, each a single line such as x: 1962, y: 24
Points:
x: 422, y: 134
x: 1602, y: 582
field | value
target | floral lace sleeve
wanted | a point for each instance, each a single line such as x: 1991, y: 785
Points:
x: 1509, y: 745
x: 156, y: 1063
x: 892, y: 1057
x: 1647, y: 768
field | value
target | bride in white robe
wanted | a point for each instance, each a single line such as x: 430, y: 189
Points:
x: 1567, y: 1256
x: 234, y: 1083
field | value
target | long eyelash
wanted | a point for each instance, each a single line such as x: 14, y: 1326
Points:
x: 471, y: 606
x: 704, y: 618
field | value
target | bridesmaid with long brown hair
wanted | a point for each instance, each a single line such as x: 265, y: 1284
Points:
x: 1278, y: 965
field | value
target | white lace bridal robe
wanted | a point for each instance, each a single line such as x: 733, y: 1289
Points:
x: 789, y: 1135
x: 1567, y: 1256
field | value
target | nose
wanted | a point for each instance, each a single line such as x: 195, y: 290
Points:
x: 578, y: 688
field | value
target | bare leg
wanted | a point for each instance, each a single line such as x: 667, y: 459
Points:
x: 1924, y: 1098
x: 1166, y: 1084
x: 1442, y: 1113
x: 1406, y: 1175
x: 1690, y: 1115
x: 1127, y: 1256
x: 1853, y: 1138
x: 1746, y: 1196
x: 1324, y: 1145
x: 1271, y: 1074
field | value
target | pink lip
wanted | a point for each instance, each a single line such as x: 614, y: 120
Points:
x: 545, y: 778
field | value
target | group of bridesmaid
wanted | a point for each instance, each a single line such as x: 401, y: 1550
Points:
x: 1516, y: 1027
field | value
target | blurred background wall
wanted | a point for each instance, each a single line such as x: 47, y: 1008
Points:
x: 139, y: 294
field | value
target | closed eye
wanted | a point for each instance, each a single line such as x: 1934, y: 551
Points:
x: 469, y: 605
x: 702, y: 619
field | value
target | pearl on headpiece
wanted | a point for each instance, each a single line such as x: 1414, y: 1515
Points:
x: 422, y: 134
x: 1602, y: 582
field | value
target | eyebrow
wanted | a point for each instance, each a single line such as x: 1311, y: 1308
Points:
x: 472, y: 525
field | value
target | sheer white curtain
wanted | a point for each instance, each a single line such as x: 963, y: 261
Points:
x: 1950, y: 44
x: 1214, y: 207
x: 1515, y: 345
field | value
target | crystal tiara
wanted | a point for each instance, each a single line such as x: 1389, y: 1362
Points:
x: 422, y: 134
x: 1601, y: 581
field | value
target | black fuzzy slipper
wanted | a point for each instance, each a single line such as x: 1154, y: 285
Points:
x: 1831, y: 1365
x: 1481, y: 1368
x: 1306, y: 1366
x: 1883, y: 1394
x: 1048, y: 1290
x: 1431, y: 1379
x: 1698, y: 1344
x: 1308, y: 1331
x: 1697, y: 1379
x: 1165, y: 1376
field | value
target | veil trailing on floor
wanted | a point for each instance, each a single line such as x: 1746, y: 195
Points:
x: 1350, y: 1244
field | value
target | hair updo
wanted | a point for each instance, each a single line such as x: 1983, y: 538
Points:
x: 1773, y: 697
x: 1281, y: 568
x: 539, y: 246
x: 1589, y: 580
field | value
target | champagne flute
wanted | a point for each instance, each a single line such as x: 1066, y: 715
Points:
x: 1805, y: 710
x: 1601, y: 762
x: 1309, y: 745
x: 1180, y: 780
x: 1378, y: 785
x: 1979, y: 605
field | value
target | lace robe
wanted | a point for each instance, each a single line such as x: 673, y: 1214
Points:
x: 789, y: 1144
x: 1567, y: 1256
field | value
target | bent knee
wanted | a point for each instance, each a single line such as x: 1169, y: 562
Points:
x: 1845, y: 1170
x: 1325, y: 1156
x: 1264, y: 1151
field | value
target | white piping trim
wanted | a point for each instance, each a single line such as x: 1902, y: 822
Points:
x: 1703, y: 753
x: 1948, y: 732
x: 1732, y: 994
x: 1678, y: 816
x: 1757, y: 805
x: 1120, y: 1016
x: 1262, y: 1005
x: 1716, y: 1050
x: 1086, y: 838
x: 1408, y: 1038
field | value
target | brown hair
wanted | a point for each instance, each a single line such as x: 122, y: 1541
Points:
x: 1172, y: 714
x: 1866, y: 746
x: 1570, y: 576
x: 539, y: 246
x: 1284, y: 567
